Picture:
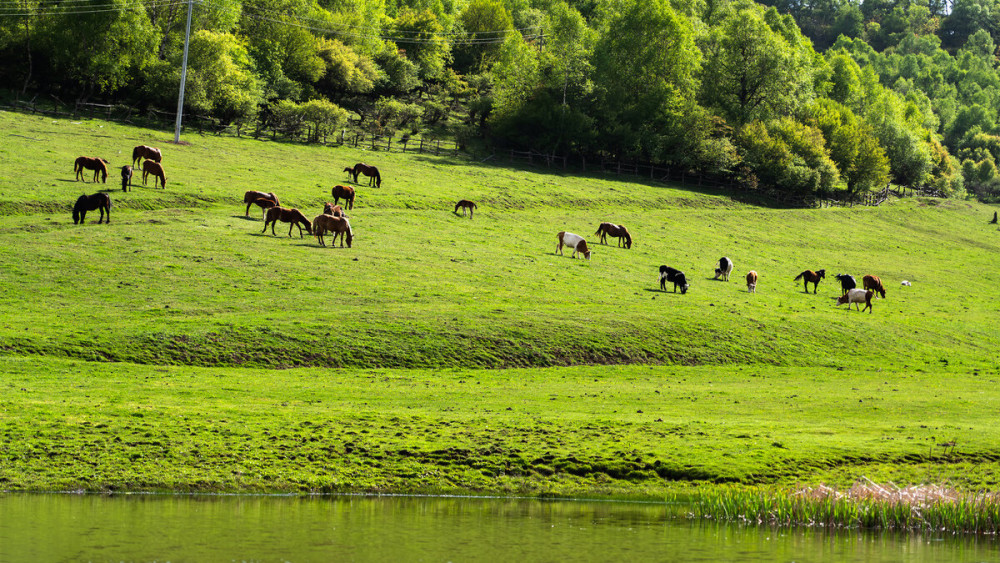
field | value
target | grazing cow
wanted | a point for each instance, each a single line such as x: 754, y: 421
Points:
x: 287, y: 215
x: 675, y: 276
x: 810, y: 276
x: 343, y: 192
x: 463, y: 205
x: 576, y: 242
x: 126, y: 178
x: 873, y: 283
x: 857, y: 296
x: 725, y: 267
x: 847, y: 283
x: 618, y: 231
x: 251, y: 197
x: 752, y: 281
x: 156, y: 169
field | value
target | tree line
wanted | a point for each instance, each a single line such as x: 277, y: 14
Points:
x: 832, y: 98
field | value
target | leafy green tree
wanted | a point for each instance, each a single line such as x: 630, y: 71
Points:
x: 514, y: 75
x: 753, y: 70
x: 221, y: 78
x: 852, y: 145
x: 645, y: 77
x: 420, y: 33
x: 347, y: 72
x: 788, y: 155
x: 100, y: 45
x: 486, y: 23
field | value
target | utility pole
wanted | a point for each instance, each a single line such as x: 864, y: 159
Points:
x: 184, y: 70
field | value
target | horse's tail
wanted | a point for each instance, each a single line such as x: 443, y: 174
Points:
x: 600, y: 229
x: 800, y: 275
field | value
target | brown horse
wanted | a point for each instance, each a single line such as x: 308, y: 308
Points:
x: 873, y: 283
x: 465, y: 204
x: 323, y: 224
x: 154, y: 168
x: 126, y: 178
x: 345, y: 192
x: 142, y: 151
x: 368, y: 170
x: 87, y: 203
x: 611, y: 230
x: 810, y: 276
x: 286, y: 215
x: 331, y: 209
x: 251, y: 197
x: 98, y: 165
x: 264, y: 204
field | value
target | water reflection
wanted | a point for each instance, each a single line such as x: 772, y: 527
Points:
x: 60, y: 527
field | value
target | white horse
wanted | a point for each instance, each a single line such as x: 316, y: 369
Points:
x: 576, y: 242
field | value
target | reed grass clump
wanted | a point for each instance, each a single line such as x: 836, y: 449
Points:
x: 866, y: 505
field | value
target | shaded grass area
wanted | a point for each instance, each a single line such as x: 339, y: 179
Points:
x: 636, y: 432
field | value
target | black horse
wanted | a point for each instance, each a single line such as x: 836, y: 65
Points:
x: 847, y: 283
x: 87, y: 203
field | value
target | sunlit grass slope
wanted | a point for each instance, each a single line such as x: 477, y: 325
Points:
x: 182, y: 277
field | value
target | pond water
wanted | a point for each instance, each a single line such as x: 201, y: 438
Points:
x: 68, y: 527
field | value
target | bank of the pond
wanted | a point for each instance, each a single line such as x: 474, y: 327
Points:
x: 619, y: 432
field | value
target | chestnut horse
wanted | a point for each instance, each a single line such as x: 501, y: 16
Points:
x: 98, y: 165
x: 810, y: 276
x: 286, y: 215
x: 87, y: 203
x: 142, y: 151
x: 154, y: 168
x: 264, y: 204
x: 368, y: 170
x: 331, y: 209
x: 323, y: 224
x: 345, y: 192
x: 252, y: 196
x: 873, y: 283
x: 611, y: 230
x: 465, y: 204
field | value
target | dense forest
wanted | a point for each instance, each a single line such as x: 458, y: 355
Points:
x: 833, y: 97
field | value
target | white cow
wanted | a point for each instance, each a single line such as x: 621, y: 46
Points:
x: 857, y: 296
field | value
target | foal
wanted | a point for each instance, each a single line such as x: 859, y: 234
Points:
x: 465, y: 204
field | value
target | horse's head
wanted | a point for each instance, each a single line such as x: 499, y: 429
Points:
x: 821, y: 274
x: 350, y: 237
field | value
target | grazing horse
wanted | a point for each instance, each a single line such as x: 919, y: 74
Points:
x: 375, y: 179
x: 611, y: 230
x: 264, y: 204
x: 847, y: 283
x: 251, y: 197
x: 126, y: 177
x: 98, y: 165
x: 323, y: 224
x: 87, y: 203
x: 331, y: 209
x: 576, y: 242
x: 752, y: 281
x: 343, y: 192
x: 156, y: 169
x: 287, y: 215
x: 465, y: 204
x: 810, y: 276
x: 873, y: 283
x: 725, y: 267
x: 857, y: 296
x: 142, y: 151
x: 668, y: 274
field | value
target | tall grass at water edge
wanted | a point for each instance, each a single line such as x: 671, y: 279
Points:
x: 865, y: 505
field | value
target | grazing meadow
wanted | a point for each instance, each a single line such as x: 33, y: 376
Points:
x: 179, y: 348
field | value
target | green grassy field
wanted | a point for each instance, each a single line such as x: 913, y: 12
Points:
x: 154, y: 352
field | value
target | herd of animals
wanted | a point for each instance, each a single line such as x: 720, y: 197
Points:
x: 334, y: 220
